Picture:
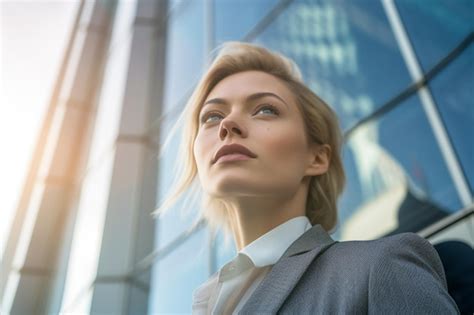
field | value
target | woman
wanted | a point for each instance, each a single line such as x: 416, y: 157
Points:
x: 266, y: 151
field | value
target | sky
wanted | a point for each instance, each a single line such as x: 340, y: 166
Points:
x: 33, y: 35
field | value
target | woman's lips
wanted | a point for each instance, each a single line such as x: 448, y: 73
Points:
x: 233, y: 157
x: 231, y: 149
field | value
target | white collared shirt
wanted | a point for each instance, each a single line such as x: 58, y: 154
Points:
x: 228, y: 290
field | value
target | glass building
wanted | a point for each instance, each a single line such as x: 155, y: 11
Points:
x: 399, y: 74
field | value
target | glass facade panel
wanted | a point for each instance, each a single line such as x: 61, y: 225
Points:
x: 397, y: 178
x: 184, y: 64
x: 235, y: 18
x: 177, y: 219
x: 223, y: 252
x: 88, y: 230
x: 346, y: 51
x: 110, y: 108
x: 124, y: 18
x: 453, y: 93
x: 176, y: 276
x: 171, y: 225
x: 185, y: 52
x: 435, y: 27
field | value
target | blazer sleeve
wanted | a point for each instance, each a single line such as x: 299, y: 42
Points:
x: 407, y: 277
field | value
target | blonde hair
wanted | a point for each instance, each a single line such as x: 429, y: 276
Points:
x: 321, y: 124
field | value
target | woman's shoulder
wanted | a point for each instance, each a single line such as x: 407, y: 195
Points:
x: 395, y: 253
x: 393, y: 244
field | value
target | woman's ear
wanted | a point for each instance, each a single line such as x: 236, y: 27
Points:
x: 319, y: 159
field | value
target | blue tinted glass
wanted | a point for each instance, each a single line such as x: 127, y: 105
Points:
x: 435, y: 27
x: 235, y: 18
x: 453, y: 91
x: 223, y: 252
x: 397, y: 178
x: 185, y: 51
x: 346, y: 51
x: 179, y: 218
x: 173, y: 223
x: 176, y: 276
x: 184, y: 64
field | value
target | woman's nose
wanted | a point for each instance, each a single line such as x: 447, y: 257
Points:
x: 230, y: 126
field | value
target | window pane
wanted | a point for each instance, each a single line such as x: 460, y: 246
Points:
x: 397, y: 178
x: 185, y: 51
x: 224, y: 253
x: 91, y: 213
x: 176, y: 276
x: 346, y: 51
x: 235, y: 18
x: 453, y: 93
x: 435, y: 27
x: 184, y: 64
x: 180, y: 217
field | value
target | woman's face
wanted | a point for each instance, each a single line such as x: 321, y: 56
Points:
x: 255, y: 110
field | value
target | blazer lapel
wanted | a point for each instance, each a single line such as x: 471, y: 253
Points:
x: 285, y: 274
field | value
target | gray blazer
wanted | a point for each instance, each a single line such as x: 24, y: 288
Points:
x: 400, y: 274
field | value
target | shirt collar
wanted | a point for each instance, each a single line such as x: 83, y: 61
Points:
x: 268, y: 248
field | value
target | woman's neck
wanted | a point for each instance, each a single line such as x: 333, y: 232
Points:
x: 252, y: 217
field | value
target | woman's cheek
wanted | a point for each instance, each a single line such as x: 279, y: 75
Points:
x: 203, y: 150
x: 287, y: 142
x: 198, y: 151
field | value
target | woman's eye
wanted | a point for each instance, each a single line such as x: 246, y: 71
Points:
x: 268, y: 109
x: 214, y: 117
x: 206, y: 118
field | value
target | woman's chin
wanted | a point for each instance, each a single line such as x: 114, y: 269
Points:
x: 235, y: 188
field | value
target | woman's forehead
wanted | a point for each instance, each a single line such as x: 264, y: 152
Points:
x: 243, y: 84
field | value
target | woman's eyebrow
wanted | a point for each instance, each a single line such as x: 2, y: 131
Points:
x: 249, y: 98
